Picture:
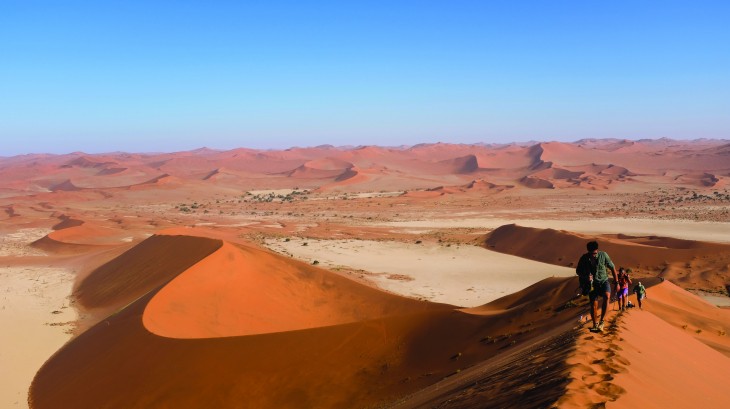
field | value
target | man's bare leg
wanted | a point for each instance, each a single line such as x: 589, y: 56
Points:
x: 594, y: 312
x: 604, y: 306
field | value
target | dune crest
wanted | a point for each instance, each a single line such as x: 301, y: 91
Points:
x: 240, y: 290
x: 658, y: 255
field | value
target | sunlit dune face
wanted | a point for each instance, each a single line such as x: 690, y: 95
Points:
x: 243, y: 291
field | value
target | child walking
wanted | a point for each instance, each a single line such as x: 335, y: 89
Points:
x: 622, y: 287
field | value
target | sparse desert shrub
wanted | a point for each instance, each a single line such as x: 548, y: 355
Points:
x: 315, y: 262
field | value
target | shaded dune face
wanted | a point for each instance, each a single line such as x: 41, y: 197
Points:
x: 692, y: 264
x: 564, y: 248
x: 314, y: 339
x: 148, y: 265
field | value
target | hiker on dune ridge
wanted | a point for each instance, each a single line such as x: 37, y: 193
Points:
x: 595, y: 263
x: 622, y: 287
x: 640, y: 292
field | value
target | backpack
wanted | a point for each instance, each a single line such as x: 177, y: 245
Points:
x: 585, y: 269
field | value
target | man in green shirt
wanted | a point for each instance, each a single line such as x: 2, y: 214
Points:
x: 596, y: 263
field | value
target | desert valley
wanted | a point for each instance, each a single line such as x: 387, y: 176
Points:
x: 435, y: 275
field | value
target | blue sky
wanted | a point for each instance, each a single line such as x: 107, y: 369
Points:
x: 139, y: 76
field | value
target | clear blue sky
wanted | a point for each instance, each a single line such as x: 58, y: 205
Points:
x: 101, y: 76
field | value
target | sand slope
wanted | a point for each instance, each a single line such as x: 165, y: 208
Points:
x: 692, y: 264
x: 667, y: 367
x: 396, y: 346
x: 234, y: 326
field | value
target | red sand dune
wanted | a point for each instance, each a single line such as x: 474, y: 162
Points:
x: 66, y: 222
x: 655, y: 255
x: 281, y: 295
x: 74, y: 236
x: 111, y: 171
x: 479, y: 186
x: 537, y: 183
x: 358, y: 345
x: 202, y: 322
x: 684, y: 261
x: 642, y: 361
x: 586, y: 164
x: 691, y: 315
x: 66, y: 185
x: 699, y: 179
x: 461, y: 165
x: 89, y: 162
x: 212, y: 174
x: 327, y: 168
x: 667, y: 367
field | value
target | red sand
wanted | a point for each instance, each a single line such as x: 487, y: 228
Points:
x: 240, y: 290
x: 202, y: 317
x: 643, y: 255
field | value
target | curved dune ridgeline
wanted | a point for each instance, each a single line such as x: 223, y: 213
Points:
x: 148, y: 265
x: 691, y: 264
x: 240, y: 290
x: 223, y: 325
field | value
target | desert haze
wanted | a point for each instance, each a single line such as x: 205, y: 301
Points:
x: 435, y: 275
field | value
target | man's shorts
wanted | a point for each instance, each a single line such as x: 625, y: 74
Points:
x: 624, y: 292
x: 600, y: 288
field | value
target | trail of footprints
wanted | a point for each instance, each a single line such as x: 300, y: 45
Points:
x: 602, y: 360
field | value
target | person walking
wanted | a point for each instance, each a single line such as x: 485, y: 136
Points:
x: 622, y: 288
x: 640, y: 292
x: 597, y: 263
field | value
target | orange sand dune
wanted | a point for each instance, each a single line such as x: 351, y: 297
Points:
x: 479, y: 186
x: 89, y: 162
x: 642, y: 361
x: 537, y: 183
x: 141, y: 269
x: 642, y: 254
x: 506, y: 157
x: 66, y: 222
x: 387, y: 346
x: 699, y: 179
x: 594, y: 165
x: 326, y: 168
x: 76, y: 236
x: 157, y: 180
x: 667, y: 368
x: 66, y: 185
x: 112, y: 171
x: 314, y: 339
x: 482, y: 185
x: 690, y: 314
x: 461, y: 165
x: 280, y: 295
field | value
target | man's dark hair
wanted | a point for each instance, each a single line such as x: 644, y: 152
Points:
x: 592, y: 245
